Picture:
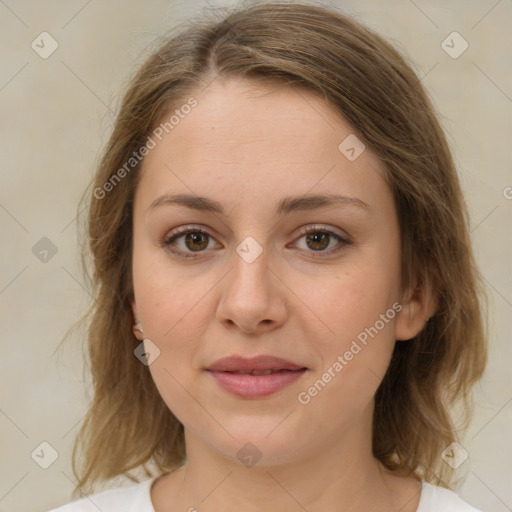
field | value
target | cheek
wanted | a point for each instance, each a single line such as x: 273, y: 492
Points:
x: 352, y: 300
x: 353, y: 366
x: 173, y: 302
x: 175, y: 309
x: 359, y: 308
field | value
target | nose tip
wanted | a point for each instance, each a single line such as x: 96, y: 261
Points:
x: 251, y: 328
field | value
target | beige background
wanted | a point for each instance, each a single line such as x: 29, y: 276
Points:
x: 56, y: 114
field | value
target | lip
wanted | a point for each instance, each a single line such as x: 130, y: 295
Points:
x: 248, y: 364
x: 234, y: 375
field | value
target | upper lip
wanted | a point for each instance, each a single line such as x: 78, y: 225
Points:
x: 258, y: 363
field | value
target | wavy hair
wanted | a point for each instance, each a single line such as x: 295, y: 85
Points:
x: 367, y: 81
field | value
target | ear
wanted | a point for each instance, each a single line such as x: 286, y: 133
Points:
x: 137, y: 327
x: 419, y: 303
x: 135, y: 311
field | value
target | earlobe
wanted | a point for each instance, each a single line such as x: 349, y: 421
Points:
x: 418, y: 306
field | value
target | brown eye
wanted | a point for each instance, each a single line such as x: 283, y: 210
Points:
x: 196, y: 241
x: 187, y: 241
x: 318, y: 241
x: 322, y: 241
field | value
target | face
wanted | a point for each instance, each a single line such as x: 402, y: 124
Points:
x: 256, y: 269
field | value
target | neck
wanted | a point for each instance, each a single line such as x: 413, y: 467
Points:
x: 335, y: 475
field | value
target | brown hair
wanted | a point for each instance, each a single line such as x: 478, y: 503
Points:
x: 372, y: 86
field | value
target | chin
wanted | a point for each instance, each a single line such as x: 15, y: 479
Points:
x: 263, y: 441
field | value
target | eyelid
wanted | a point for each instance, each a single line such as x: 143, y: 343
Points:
x: 323, y: 228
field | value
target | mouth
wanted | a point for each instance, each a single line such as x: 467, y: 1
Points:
x: 255, y: 377
x: 260, y: 372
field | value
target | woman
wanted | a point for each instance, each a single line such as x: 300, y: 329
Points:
x: 287, y: 301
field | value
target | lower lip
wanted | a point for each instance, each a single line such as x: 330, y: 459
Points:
x: 256, y: 386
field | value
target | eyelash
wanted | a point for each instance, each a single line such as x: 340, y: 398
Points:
x: 168, y: 241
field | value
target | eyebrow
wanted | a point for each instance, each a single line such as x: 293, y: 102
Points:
x: 286, y: 205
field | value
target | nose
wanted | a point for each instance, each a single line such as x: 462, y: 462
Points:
x: 253, y: 297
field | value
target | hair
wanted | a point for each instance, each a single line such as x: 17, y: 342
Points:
x: 368, y: 82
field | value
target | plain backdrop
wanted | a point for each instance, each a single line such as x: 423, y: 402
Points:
x: 56, y: 114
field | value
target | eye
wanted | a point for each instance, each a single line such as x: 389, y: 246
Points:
x: 187, y: 240
x: 194, y: 239
x: 318, y: 239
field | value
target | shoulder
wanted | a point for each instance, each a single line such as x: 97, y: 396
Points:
x: 439, y: 499
x: 133, y: 498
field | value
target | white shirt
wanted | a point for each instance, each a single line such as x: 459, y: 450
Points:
x: 137, y: 498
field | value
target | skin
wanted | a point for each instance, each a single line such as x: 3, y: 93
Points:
x: 247, y: 146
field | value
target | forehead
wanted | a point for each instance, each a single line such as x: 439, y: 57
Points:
x: 246, y: 139
x: 239, y: 115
